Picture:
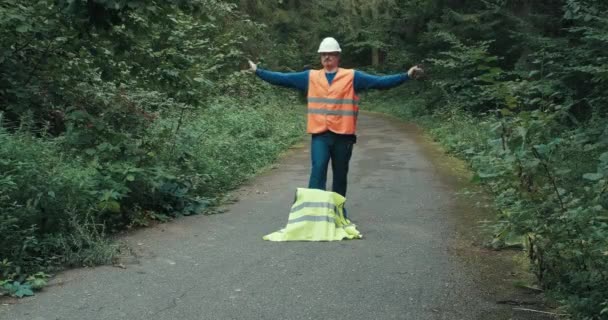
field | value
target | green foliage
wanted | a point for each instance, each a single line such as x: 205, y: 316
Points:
x: 518, y: 88
x: 22, y: 287
x: 59, y: 195
x: 116, y: 114
x: 18, y: 289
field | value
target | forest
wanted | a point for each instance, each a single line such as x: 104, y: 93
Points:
x: 119, y: 114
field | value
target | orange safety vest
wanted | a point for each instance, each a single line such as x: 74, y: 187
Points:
x: 332, y: 107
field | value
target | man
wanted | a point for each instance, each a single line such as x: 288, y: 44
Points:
x: 332, y: 109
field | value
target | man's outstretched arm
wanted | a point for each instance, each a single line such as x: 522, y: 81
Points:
x: 296, y: 80
x: 364, y: 81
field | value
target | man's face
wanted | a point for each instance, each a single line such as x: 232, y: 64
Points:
x: 330, y: 60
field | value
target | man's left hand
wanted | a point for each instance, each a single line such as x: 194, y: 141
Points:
x: 252, y: 66
x: 415, y: 72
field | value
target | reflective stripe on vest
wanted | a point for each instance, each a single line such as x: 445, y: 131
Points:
x: 332, y: 107
x: 301, y: 212
x: 316, y: 215
x: 313, y: 212
x: 333, y: 112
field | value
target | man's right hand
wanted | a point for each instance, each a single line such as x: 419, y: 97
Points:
x: 252, y: 66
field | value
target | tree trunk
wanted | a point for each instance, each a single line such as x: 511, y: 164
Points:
x: 293, y: 5
x: 375, y: 51
x: 243, y: 6
x: 375, y: 57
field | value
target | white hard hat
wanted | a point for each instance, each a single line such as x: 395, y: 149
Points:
x: 329, y: 44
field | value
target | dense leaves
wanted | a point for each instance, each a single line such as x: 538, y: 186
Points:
x: 519, y: 89
x: 116, y: 113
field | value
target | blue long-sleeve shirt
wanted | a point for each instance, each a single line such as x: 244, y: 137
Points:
x: 362, y: 81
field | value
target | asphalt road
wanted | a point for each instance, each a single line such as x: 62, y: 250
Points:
x: 420, y: 257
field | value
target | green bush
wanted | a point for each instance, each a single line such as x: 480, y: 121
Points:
x: 550, y: 192
x: 518, y: 89
x: 115, y: 114
x: 39, y: 186
x: 59, y: 196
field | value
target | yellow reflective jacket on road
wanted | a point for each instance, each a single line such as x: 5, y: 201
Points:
x: 316, y: 215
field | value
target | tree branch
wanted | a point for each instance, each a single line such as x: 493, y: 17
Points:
x: 559, y: 197
x: 543, y: 312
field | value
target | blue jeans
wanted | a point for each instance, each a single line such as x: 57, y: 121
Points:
x: 338, y: 148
